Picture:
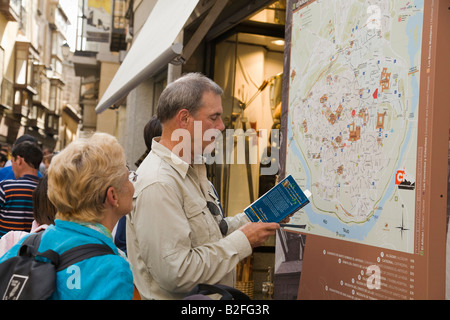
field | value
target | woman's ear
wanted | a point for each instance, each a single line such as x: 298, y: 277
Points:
x: 111, y: 196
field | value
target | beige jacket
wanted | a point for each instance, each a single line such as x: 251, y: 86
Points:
x: 173, y: 241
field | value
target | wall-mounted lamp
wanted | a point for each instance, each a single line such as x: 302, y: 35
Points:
x: 65, y: 49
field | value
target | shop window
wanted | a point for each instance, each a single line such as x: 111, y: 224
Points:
x: 249, y: 68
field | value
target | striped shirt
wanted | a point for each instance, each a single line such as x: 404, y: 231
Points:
x: 16, y: 204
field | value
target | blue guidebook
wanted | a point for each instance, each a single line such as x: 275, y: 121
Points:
x: 279, y: 202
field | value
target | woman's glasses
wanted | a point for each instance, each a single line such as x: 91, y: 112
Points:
x: 132, y: 175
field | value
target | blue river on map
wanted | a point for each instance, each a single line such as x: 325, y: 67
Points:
x: 360, y: 231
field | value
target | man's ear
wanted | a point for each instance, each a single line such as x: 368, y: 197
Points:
x: 19, y: 160
x: 182, y: 118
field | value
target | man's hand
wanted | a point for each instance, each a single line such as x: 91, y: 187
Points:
x: 287, y: 219
x: 258, y: 232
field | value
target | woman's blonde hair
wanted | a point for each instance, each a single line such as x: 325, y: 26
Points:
x: 79, y: 176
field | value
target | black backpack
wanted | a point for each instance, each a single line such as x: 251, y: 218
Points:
x: 29, y: 277
x: 204, y: 291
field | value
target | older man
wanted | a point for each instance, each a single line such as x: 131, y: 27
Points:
x: 176, y: 235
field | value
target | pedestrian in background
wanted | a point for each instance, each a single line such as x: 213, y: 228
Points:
x: 3, y: 160
x: 16, y: 196
x: 6, y: 172
x: 43, y: 212
x: 151, y: 130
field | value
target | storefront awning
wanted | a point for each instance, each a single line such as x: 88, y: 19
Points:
x: 151, y: 51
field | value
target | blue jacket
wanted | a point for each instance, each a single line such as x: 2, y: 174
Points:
x: 97, y: 278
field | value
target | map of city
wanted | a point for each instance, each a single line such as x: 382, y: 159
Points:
x: 353, y: 115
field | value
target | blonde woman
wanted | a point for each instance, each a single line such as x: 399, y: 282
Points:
x: 88, y: 182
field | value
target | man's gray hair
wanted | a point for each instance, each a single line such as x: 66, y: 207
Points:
x: 185, y: 93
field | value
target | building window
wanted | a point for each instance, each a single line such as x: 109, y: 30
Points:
x: 119, y: 24
x: 23, y: 79
x: 23, y: 71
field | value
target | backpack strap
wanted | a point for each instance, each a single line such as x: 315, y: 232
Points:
x: 79, y: 253
x: 30, y: 245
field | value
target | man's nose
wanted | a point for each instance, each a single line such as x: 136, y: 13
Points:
x: 221, y: 125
